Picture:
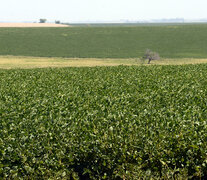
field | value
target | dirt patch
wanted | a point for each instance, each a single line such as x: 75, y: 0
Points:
x: 32, y: 25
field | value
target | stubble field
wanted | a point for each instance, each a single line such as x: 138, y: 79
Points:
x: 26, y: 25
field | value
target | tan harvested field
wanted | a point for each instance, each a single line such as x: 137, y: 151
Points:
x: 31, y: 25
x: 10, y: 62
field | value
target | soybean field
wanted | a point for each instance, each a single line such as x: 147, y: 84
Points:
x: 123, y: 122
x: 170, y: 41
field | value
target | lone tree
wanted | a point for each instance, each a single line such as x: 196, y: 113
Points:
x: 150, y: 55
x: 43, y: 20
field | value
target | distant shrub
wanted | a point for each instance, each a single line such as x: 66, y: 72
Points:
x: 57, y: 22
x: 43, y: 20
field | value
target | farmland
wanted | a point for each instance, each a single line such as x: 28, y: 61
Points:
x: 115, y: 118
x: 123, y: 122
x: 21, y: 62
x: 170, y: 41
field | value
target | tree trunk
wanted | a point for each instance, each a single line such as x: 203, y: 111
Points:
x: 149, y: 60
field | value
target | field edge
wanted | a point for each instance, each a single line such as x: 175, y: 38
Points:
x: 24, y: 62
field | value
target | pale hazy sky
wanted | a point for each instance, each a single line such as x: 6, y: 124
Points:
x: 108, y: 10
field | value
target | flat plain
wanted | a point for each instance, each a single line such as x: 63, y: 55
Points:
x: 26, y: 25
x: 115, y: 118
x: 172, y: 41
x: 22, y: 62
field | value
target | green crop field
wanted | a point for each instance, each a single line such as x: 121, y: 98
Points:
x: 171, y: 41
x: 123, y: 122
x: 103, y: 122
